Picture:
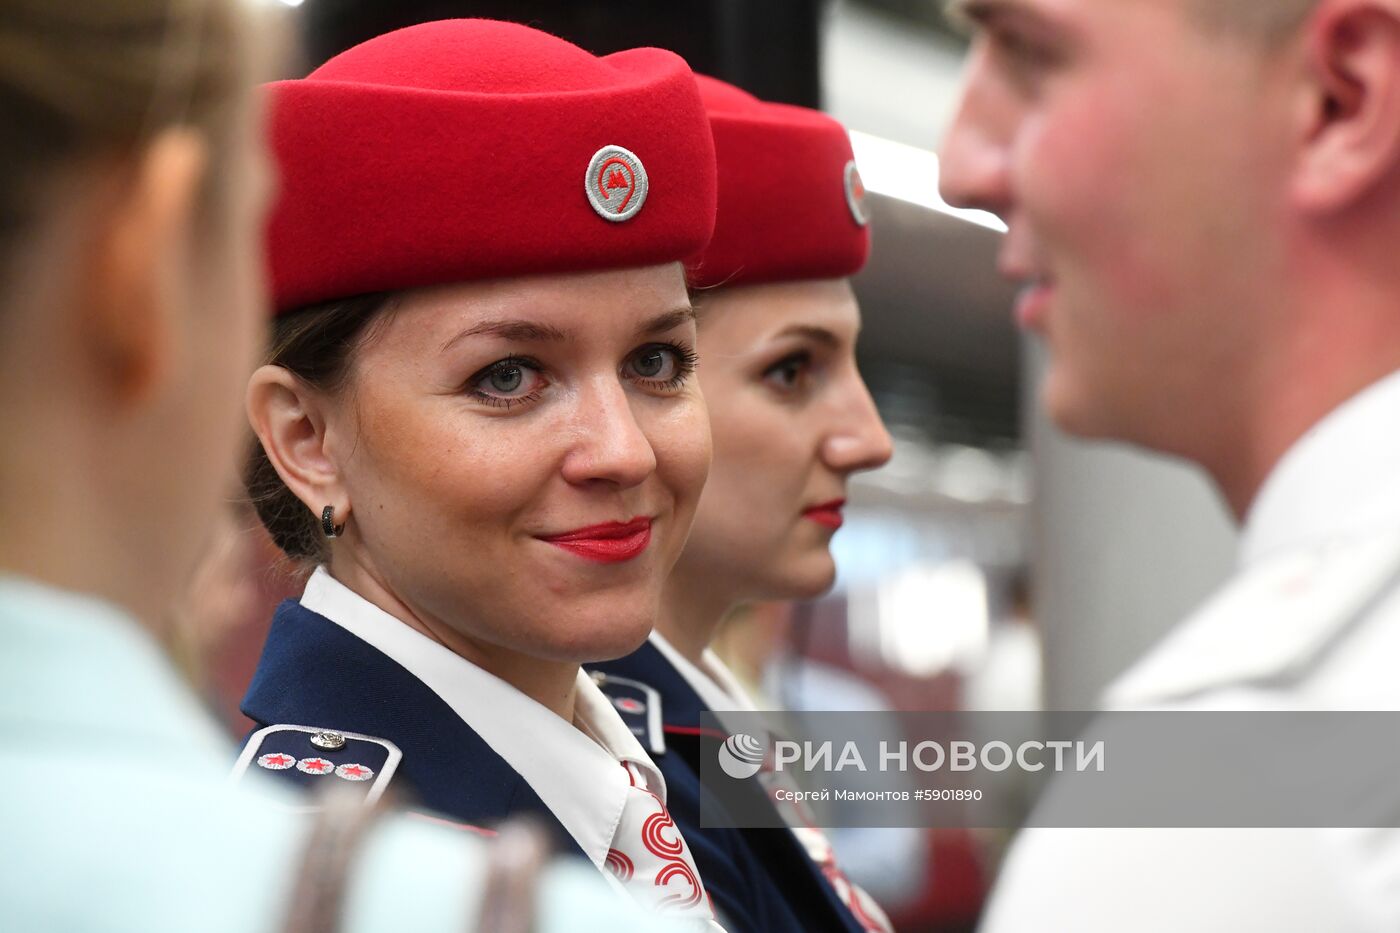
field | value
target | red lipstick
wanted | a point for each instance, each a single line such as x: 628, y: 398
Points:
x: 609, y: 543
x: 828, y: 513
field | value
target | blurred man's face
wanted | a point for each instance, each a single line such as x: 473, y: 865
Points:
x: 1138, y: 160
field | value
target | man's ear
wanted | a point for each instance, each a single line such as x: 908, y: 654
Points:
x: 287, y: 417
x: 1352, y: 103
x: 135, y: 293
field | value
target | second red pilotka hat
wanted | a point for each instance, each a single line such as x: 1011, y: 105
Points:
x: 470, y: 149
x: 791, y: 202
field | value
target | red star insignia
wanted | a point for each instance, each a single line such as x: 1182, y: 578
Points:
x: 314, y: 765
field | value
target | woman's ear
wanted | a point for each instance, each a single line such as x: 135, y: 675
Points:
x: 289, y: 419
x: 133, y: 288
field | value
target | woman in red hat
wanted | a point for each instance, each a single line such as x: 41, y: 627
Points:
x: 792, y: 420
x: 479, y: 423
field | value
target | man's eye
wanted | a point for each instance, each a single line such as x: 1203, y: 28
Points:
x: 1025, y: 51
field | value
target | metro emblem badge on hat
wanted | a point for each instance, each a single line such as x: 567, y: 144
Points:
x: 855, y: 194
x: 788, y: 193
x: 616, y: 183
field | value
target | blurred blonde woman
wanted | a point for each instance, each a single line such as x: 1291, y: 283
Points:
x: 132, y: 192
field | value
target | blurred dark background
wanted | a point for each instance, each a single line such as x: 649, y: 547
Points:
x: 769, y: 47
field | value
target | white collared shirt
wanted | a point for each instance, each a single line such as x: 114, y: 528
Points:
x: 713, y: 682
x: 577, y: 777
x: 1311, y: 621
x: 1340, y: 480
x: 1320, y: 545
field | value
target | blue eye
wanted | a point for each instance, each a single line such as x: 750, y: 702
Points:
x: 653, y: 363
x: 663, y: 366
x: 507, y: 382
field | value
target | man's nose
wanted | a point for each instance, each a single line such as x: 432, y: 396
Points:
x: 975, y: 157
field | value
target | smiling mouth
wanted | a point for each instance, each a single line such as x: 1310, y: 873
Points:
x: 609, y: 543
x: 1033, y: 303
x: 828, y: 514
x: 1036, y: 284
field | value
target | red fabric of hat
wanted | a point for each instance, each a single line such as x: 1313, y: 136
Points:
x: 470, y: 149
x: 791, y: 203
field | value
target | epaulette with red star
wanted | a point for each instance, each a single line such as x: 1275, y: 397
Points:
x: 314, y: 757
x: 639, y: 705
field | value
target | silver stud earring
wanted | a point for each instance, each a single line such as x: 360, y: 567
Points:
x: 328, y: 525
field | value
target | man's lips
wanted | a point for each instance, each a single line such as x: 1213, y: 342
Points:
x: 608, y: 543
x: 828, y: 513
x: 1033, y: 304
x: 1037, y: 290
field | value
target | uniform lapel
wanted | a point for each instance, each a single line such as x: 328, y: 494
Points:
x: 315, y: 673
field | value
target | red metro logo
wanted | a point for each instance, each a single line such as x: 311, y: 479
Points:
x: 616, y: 183
x: 855, y: 195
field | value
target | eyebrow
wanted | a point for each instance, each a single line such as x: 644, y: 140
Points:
x: 668, y: 321
x: 971, y: 14
x: 816, y: 334
x: 534, y: 332
x: 521, y: 331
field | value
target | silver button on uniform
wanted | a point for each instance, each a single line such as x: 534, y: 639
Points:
x: 329, y: 741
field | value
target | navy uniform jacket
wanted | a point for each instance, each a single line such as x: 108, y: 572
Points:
x: 764, y: 875
x: 315, y: 673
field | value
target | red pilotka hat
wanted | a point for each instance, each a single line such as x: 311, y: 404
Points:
x: 470, y: 149
x: 791, y: 203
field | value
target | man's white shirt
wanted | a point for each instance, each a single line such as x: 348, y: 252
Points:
x: 1311, y: 621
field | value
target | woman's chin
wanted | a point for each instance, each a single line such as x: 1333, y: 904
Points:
x: 586, y: 641
x: 807, y: 577
x: 619, y: 645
